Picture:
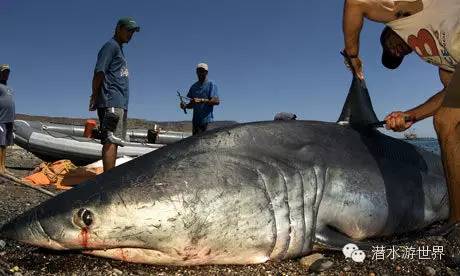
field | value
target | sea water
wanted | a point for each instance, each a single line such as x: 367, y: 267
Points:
x: 430, y: 144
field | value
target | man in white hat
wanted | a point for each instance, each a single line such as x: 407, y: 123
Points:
x: 7, y: 115
x: 203, y: 97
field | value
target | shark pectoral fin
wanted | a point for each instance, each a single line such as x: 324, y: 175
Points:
x: 331, y: 239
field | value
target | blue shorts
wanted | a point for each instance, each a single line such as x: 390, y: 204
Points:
x: 6, y: 134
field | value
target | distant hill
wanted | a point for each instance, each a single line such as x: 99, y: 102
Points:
x: 132, y: 122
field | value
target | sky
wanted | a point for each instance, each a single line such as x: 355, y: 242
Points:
x: 265, y: 56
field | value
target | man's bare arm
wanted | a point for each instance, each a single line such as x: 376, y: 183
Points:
x: 98, y: 78
x: 354, y: 13
x: 213, y: 101
x: 353, y: 17
x: 430, y: 107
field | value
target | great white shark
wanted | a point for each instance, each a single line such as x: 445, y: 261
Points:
x: 248, y: 193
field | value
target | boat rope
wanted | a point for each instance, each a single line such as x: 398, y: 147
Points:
x: 20, y: 182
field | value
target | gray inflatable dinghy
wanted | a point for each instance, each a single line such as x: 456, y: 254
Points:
x: 51, y: 142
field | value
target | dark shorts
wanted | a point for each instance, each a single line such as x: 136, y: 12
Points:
x: 120, y: 130
x: 197, y: 129
x: 452, y: 97
x: 6, y: 134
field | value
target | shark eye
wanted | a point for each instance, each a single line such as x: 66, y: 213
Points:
x: 83, y: 218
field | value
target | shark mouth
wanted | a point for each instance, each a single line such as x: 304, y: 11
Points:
x: 184, y: 258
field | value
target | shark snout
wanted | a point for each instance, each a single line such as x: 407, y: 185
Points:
x: 27, y: 228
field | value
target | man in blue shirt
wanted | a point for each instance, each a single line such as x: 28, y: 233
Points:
x: 203, y: 97
x: 111, y: 90
x: 7, y: 114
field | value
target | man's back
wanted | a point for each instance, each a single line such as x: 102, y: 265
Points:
x: 433, y: 33
x: 385, y: 10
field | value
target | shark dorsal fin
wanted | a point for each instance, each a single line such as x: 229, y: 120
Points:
x: 357, y: 110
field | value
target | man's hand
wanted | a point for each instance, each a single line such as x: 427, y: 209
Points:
x: 92, y: 103
x: 199, y: 100
x: 183, y: 105
x: 355, y: 66
x: 399, y: 121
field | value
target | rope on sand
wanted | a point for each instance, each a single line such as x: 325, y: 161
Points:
x: 19, y: 181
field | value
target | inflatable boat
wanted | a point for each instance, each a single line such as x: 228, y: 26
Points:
x: 51, y: 142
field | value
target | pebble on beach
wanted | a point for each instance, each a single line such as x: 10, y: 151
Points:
x: 307, y: 261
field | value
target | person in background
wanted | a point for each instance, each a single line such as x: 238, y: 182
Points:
x: 111, y: 90
x: 7, y: 115
x: 285, y: 116
x: 203, y: 97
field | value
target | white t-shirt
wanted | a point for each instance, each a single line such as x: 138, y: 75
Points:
x: 434, y: 32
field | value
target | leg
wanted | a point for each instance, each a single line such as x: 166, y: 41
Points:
x: 447, y: 125
x: 197, y: 129
x: 204, y: 127
x: 2, y: 159
x: 118, y: 126
x: 109, y: 150
x: 111, y: 123
x: 111, y: 127
x: 9, y: 141
x: 124, y: 125
x: 109, y: 156
x: 4, y: 141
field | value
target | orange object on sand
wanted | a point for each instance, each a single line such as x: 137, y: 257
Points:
x: 51, y: 173
x: 38, y: 178
x: 89, y: 126
x: 64, y: 174
x: 79, y: 175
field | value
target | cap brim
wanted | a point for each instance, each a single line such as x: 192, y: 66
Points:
x: 390, y: 61
x: 136, y: 28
